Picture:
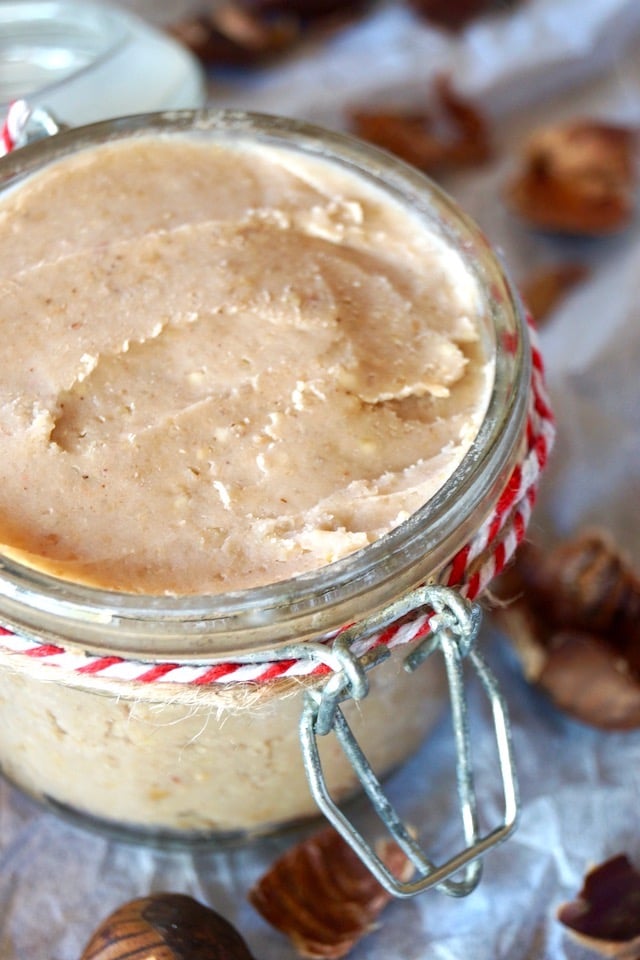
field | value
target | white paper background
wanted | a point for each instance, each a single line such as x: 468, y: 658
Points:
x: 580, y: 788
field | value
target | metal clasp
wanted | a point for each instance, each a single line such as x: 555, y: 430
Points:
x: 454, y: 628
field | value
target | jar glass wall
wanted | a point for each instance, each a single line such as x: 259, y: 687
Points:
x: 216, y: 759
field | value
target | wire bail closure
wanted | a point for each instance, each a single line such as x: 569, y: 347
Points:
x: 454, y: 629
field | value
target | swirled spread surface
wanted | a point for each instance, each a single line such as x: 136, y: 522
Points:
x: 223, y: 365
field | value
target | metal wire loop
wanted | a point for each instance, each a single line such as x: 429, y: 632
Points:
x: 454, y: 629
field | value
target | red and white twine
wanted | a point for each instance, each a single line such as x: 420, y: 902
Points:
x: 470, y: 571
x: 14, y: 126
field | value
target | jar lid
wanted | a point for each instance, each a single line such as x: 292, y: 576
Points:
x: 86, y: 62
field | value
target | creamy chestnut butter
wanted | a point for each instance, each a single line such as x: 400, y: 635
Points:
x: 236, y: 349
x: 223, y: 364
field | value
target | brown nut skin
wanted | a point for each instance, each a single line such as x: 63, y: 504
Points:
x: 322, y: 896
x: 454, y: 135
x: 252, y: 33
x: 165, y: 926
x: 585, y: 680
x: 454, y: 15
x: 572, y: 614
x: 577, y: 178
x: 605, y: 916
x: 586, y: 584
x: 232, y: 36
x: 308, y: 9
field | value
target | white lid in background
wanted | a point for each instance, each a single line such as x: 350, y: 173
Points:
x: 86, y: 62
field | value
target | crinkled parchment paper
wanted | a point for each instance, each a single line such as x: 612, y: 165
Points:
x: 580, y: 788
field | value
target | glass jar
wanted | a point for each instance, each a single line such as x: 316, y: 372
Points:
x: 179, y: 717
x: 85, y: 62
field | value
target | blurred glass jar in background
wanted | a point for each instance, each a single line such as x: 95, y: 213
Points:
x: 85, y: 62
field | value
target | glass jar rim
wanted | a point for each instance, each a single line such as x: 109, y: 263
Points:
x: 190, y: 627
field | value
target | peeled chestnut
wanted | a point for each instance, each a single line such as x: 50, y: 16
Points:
x: 165, y: 926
